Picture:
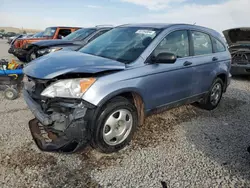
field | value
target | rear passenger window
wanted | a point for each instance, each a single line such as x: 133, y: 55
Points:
x: 175, y: 43
x: 218, y: 46
x: 202, y: 43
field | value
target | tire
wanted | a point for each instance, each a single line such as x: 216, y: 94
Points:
x: 10, y: 93
x: 31, y: 55
x: 101, y: 132
x: 210, y: 102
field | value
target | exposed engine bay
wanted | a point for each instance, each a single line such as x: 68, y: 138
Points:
x: 240, y: 55
x: 60, y: 124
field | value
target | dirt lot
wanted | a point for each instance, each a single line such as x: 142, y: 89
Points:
x: 184, y: 147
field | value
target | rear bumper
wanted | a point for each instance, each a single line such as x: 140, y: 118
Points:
x: 240, y: 69
x: 48, y: 137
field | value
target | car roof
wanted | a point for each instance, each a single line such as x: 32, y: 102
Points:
x: 151, y: 25
x: 167, y: 25
x: 160, y: 25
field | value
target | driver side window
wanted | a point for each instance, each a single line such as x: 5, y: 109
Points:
x: 176, y: 43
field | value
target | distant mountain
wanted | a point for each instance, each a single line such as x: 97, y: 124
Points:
x: 19, y: 30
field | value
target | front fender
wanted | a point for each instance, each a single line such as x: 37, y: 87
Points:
x: 103, y: 90
x: 119, y: 92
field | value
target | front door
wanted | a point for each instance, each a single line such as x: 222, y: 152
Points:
x: 170, y: 83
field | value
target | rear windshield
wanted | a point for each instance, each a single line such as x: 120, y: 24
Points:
x: 123, y: 44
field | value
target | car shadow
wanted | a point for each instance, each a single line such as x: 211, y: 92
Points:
x: 241, y: 77
x: 225, y: 142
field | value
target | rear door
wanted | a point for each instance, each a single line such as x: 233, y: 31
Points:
x: 203, y: 60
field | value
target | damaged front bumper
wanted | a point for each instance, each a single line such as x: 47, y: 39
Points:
x: 11, y: 50
x: 60, y: 131
x: 19, y: 52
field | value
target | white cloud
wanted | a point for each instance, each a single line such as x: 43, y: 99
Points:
x: 154, y: 4
x: 93, y: 6
x: 233, y: 13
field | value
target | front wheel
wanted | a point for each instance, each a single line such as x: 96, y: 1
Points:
x: 115, y: 126
x: 213, y: 98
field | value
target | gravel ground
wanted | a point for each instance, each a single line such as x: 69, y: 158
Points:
x: 184, y: 147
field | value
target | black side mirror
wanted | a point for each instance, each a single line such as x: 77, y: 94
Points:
x: 166, y: 58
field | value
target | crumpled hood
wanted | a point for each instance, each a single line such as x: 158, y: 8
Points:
x: 63, y: 62
x: 45, y: 43
x: 237, y: 36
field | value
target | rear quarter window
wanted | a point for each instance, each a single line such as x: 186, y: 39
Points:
x: 218, y: 45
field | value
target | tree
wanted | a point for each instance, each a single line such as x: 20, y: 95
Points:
x: 24, y: 32
x: 2, y: 30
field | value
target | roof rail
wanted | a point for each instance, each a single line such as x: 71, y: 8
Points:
x: 104, y: 26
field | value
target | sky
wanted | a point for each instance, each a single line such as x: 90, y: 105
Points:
x: 39, y: 14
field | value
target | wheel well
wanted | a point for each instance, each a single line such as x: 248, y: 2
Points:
x: 223, y: 77
x: 137, y: 101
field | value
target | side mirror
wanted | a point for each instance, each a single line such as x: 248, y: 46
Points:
x: 166, y: 58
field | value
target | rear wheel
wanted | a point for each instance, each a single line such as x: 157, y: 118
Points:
x: 115, y: 126
x: 213, y: 98
x: 10, y: 93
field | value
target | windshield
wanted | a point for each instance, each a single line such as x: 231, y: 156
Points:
x: 79, y: 34
x: 49, y: 32
x: 124, y: 44
x: 40, y: 34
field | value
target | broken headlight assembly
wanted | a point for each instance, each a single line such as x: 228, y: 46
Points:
x: 68, y: 88
x: 47, y: 50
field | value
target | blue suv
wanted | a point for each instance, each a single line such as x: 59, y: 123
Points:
x: 101, y: 93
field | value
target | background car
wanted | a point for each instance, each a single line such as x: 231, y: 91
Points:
x: 10, y: 34
x: 238, y: 40
x: 49, y: 33
x: 73, y: 41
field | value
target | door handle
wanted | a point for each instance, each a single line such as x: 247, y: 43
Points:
x: 187, y: 63
x: 215, y: 59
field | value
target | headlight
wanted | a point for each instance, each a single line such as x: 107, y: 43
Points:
x: 48, y: 50
x: 69, y: 88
